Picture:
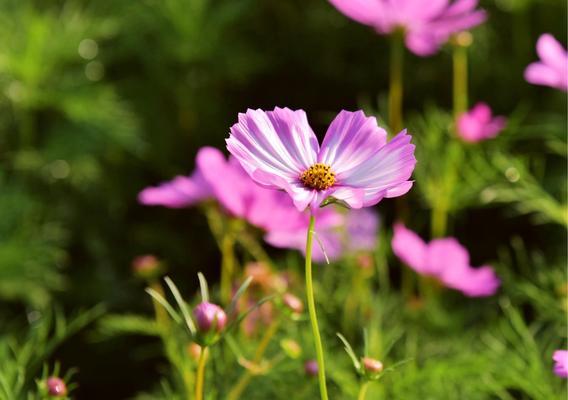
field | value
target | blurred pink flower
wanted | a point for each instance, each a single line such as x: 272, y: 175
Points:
x: 328, y: 235
x: 355, y: 165
x: 479, y: 124
x: 446, y: 260
x: 560, y: 358
x: 362, y: 229
x: 427, y: 24
x: 552, y: 69
x: 182, y: 191
x: 217, y: 178
x: 273, y: 211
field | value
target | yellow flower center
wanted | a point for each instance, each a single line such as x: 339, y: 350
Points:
x: 319, y: 176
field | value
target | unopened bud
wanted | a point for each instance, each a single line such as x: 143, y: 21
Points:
x: 56, y: 387
x: 209, y: 317
x: 291, y: 348
x: 311, y: 368
x: 147, y: 266
x: 372, y: 366
x: 194, y: 351
x: 293, y: 303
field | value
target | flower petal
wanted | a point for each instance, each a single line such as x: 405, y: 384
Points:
x: 552, y: 53
x: 410, y: 248
x: 385, y: 170
x: 366, y: 12
x: 351, y: 139
x: 473, y: 282
x: 278, y: 142
x: 182, y: 191
x: 445, y: 255
x: 229, y: 184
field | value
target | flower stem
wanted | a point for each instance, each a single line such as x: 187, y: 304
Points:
x: 312, y: 310
x: 460, y: 89
x: 396, y: 87
x: 363, y: 391
x: 200, y: 376
x: 227, y: 265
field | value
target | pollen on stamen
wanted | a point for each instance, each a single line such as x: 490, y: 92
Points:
x: 319, y: 176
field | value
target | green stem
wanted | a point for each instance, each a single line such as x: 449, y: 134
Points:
x: 396, y: 86
x: 200, y: 376
x: 227, y: 265
x: 439, y: 220
x: 460, y: 79
x: 312, y: 310
x: 363, y: 390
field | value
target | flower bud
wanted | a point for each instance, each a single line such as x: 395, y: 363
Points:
x: 311, y: 368
x: 56, y: 387
x: 194, y: 351
x: 147, y: 267
x: 372, y: 366
x: 209, y: 317
x: 293, y: 303
x: 291, y: 348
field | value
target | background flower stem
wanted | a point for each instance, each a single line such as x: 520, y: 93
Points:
x: 460, y: 89
x: 396, y: 86
x: 312, y: 310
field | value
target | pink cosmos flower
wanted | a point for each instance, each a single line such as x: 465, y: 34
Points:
x: 427, y: 24
x: 446, y: 260
x: 273, y: 211
x: 354, y: 165
x: 552, y: 69
x: 560, y: 358
x: 224, y: 180
x: 182, y: 191
x: 479, y: 124
x: 362, y: 229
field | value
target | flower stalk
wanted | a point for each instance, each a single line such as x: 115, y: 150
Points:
x: 363, y: 390
x: 396, y: 82
x: 460, y: 89
x: 312, y: 310
x: 200, y: 374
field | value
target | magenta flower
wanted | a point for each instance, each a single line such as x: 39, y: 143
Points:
x: 209, y: 317
x: 560, y: 358
x: 479, y: 124
x: 328, y: 235
x: 226, y: 181
x: 552, y: 69
x: 446, y: 260
x: 56, y: 387
x: 355, y: 165
x: 182, y: 191
x: 362, y: 229
x: 426, y: 24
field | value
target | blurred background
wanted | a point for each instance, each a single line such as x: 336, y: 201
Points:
x: 101, y: 99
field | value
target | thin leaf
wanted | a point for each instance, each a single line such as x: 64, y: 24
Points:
x: 204, y: 287
x: 158, y: 297
x: 350, y: 351
x: 233, y: 305
x: 182, y: 306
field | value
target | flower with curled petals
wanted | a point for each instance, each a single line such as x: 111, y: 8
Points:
x: 426, y: 24
x: 446, y: 260
x: 552, y: 69
x: 355, y: 164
